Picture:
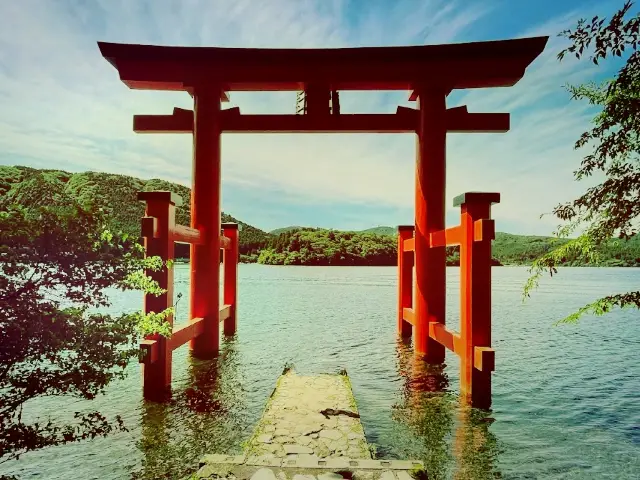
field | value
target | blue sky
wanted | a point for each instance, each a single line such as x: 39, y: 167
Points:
x: 63, y: 106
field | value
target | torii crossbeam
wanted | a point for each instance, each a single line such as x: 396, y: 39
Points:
x: 430, y: 72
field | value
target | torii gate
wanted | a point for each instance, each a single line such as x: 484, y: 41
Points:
x: 431, y: 72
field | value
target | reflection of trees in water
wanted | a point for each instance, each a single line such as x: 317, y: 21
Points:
x: 203, y: 416
x: 436, y: 417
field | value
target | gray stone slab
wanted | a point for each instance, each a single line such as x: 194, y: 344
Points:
x: 403, y: 475
x: 293, y: 417
x: 330, y: 476
x: 386, y: 475
x: 264, y: 474
x: 291, y: 449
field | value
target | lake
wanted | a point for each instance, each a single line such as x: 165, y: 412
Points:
x: 566, y: 399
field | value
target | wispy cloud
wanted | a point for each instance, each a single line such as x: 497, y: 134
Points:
x: 62, y: 106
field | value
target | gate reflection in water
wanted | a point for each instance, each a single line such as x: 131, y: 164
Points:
x: 453, y: 439
x: 205, y: 415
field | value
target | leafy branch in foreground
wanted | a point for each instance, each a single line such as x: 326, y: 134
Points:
x: 56, y: 266
x: 611, y: 208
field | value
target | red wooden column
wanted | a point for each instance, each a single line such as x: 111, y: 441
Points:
x: 430, y: 264
x: 476, y: 362
x: 405, y: 279
x: 205, y: 216
x: 231, y: 254
x: 157, y: 230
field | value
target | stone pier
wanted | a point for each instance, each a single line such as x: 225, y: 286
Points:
x: 310, y: 429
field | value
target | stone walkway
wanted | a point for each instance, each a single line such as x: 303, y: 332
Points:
x: 310, y: 417
x: 310, y: 430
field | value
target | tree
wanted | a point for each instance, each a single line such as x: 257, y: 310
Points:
x: 56, y: 263
x: 611, y: 208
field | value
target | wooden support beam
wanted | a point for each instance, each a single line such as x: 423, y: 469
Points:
x: 182, y: 234
x: 447, y: 237
x: 458, y: 120
x: 409, y: 316
x: 484, y: 359
x: 343, y: 123
x: 225, y: 312
x: 484, y: 229
x: 183, y: 333
x: 225, y: 242
x: 451, y: 340
x: 409, y: 245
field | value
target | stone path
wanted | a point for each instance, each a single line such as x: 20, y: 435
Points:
x: 269, y: 468
x: 310, y: 430
x: 310, y: 417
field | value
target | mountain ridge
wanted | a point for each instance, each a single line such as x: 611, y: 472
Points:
x: 117, y: 194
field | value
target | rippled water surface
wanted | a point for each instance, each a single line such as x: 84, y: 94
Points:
x: 566, y: 399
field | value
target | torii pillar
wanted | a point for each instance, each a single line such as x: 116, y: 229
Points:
x: 430, y: 263
x: 205, y: 216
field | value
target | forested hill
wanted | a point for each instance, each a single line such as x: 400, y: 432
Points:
x: 116, y: 194
x: 293, y: 245
x: 378, y: 246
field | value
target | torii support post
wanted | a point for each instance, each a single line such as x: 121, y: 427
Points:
x: 476, y: 232
x: 205, y: 217
x: 473, y: 343
x: 160, y: 233
x: 231, y: 254
x: 405, y: 279
x: 430, y: 265
x: 158, y: 226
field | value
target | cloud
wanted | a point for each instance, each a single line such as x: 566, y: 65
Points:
x: 62, y: 105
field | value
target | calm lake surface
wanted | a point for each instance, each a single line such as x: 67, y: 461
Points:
x: 566, y: 401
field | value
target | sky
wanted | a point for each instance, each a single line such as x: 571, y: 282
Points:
x: 62, y: 105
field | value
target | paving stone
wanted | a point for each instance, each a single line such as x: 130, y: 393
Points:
x: 332, y: 434
x: 304, y: 440
x: 386, y: 475
x: 264, y: 474
x: 303, y: 477
x: 355, y: 436
x: 314, y: 435
x: 265, y: 438
x: 403, y: 475
x: 291, y: 449
x: 330, y: 476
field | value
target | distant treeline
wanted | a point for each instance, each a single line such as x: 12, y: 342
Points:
x: 116, y: 194
x: 306, y: 246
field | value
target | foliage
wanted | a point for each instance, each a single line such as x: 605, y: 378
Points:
x: 611, y: 208
x: 308, y: 246
x: 56, y: 264
x: 116, y: 195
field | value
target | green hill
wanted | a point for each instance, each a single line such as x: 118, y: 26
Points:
x: 291, y: 245
x: 377, y: 246
x: 280, y: 230
x: 116, y: 194
x: 381, y: 231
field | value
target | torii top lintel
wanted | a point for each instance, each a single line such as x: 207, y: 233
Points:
x: 452, y: 66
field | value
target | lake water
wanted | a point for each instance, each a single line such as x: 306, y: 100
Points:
x: 566, y: 399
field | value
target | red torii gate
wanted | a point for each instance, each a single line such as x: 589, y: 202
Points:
x: 431, y: 72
